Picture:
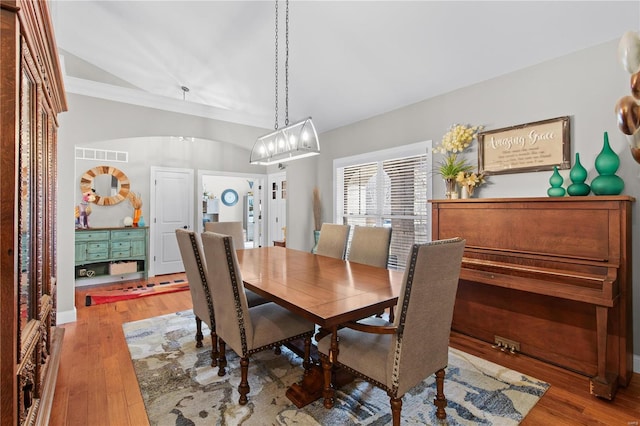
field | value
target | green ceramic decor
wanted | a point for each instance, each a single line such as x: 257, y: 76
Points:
x: 578, y: 175
x: 607, y: 163
x: 556, y: 181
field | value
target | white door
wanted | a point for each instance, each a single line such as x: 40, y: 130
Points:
x: 277, y: 196
x: 172, y: 202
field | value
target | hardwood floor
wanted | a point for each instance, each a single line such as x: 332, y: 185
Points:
x: 97, y: 385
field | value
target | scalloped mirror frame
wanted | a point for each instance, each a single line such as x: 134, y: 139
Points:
x: 86, y: 184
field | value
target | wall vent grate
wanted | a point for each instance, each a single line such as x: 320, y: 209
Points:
x: 101, y: 155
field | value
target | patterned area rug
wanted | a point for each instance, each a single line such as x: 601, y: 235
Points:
x: 180, y: 388
x: 99, y: 297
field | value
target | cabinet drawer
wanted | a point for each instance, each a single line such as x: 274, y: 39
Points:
x: 128, y: 234
x: 120, y: 245
x: 92, y: 235
x: 102, y: 255
x: 98, y: 247
x: 120, y: 254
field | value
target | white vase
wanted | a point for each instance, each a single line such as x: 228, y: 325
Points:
x: 464, y: 192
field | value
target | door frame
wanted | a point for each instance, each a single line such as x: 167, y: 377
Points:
x: 153, y: 170
x: 271, y: 177
x: 259, y: 194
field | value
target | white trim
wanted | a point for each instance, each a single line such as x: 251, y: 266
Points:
x: 127, y: 95
x: 384, y: 154
x: 64, y: 317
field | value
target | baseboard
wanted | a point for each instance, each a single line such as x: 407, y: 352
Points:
x: 636, y: 364
x: 63, y: 317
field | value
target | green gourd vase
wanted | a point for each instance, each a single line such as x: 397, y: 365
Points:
x: 578, y: 175
x: 607, y: 163
x: 556, y: 180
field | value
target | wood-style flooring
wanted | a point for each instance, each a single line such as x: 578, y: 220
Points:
x: 97, y: 385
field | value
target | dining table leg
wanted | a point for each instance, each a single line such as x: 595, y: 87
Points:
x: 327, y: 366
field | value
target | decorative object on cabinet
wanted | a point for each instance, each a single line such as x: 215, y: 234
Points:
x: 298, y: 140
x: 31, y: 97
x: 556, y: 181
x: 530, y: 147
x: 229, y: 197
x: 468, y: 182
x: 456, y: 140
x: 83, y: 210
x: 627, y: 108
x: 97, y: 250
x: 136, y: 202
x: 450, y: 189
x: 127, y: 221
x: 109, y: 184
x: 578, y: 175
x: 607, y: 163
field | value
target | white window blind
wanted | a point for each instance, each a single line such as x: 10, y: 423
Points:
x: 390, y: 193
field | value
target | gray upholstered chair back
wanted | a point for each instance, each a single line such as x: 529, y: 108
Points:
x: 234, y: 229
x: 333, y: 240
x: 370, y: 245
x: 193, y: 260
x: 425, y: 312
x: 233, y: 323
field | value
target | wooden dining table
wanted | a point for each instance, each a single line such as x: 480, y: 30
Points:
x: 324, y: 290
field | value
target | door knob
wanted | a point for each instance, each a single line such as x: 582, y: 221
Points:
x: 185, y: 227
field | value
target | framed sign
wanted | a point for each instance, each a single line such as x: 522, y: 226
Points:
x: 531, y: 147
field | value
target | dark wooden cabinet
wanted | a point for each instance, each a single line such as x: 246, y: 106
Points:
x: 549, y: 276
x: 31, y: 96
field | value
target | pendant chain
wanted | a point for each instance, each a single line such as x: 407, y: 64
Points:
x: 286, y: 67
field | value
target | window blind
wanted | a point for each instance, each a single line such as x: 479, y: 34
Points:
x: 391, y: 193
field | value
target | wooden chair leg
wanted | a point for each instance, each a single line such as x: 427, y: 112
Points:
x: 392, y: 313
x: 396, y: 409
x: 222, y: 358
x: 199, y: 335
x: 214, y: 349
x: 440, y: 401
x: 243, y: 387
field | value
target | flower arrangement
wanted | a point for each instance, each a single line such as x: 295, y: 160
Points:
x: 456, y: 140
x: 470, y: 180
x: 454, y: 169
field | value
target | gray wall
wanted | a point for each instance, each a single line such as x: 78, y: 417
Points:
x: 584, y: 85
x: 144, y: 133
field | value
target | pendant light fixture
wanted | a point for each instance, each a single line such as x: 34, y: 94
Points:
x: 293, y: 141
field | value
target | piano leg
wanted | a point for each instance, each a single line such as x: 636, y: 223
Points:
x: 604, y: 385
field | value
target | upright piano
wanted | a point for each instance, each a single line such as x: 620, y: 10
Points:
x: 547, y: 277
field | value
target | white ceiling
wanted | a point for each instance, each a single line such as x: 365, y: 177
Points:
x: 349, y: 60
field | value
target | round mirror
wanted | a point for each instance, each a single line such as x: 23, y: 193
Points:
x: 109, y: 184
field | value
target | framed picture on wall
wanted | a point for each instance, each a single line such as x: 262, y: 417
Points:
x: 530, y: 147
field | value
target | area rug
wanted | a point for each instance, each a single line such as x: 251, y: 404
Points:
x: 132, y: 292
x: 179, y: 387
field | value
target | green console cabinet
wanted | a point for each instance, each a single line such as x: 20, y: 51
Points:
x: 110, y: 254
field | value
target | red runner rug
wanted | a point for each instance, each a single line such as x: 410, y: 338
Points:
x: 99, y: 297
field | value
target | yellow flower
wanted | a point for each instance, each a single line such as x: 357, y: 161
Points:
x: 458, y: 138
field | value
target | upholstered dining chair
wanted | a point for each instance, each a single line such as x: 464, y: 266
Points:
x: 398, y: 356
x: 195, y: 267
x: 246, y: 330
x: 228, y: 228
x: 333, y: 240
x: 370, y: 245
